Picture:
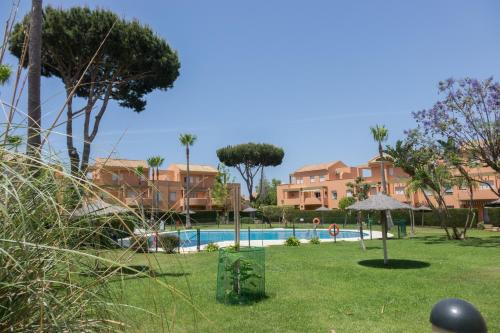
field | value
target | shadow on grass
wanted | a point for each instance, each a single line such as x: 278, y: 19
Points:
x: 250, y: 300
x: 492, y: 241
x: 394, y: 264
x: 133, y: 272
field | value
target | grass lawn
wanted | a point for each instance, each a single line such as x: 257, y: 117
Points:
x: 317, y: 288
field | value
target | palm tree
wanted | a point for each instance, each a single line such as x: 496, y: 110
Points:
x: 154, y: 163
x: 34, y: 77
x: 359, y: 190
x: 380, y: 134
x: 187, y: 140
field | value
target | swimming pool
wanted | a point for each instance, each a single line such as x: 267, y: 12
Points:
x: 188, y: 237
x: 263, y: 237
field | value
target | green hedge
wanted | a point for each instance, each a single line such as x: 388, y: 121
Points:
x: 457, y: 216
x: 494, y: 214
x: 275, y: 213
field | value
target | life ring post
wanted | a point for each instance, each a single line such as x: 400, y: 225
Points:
x: 334, y: 230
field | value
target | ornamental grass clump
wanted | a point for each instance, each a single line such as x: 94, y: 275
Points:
x: 57, y: 268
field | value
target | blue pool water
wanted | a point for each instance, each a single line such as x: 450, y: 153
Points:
x: 188, y: 237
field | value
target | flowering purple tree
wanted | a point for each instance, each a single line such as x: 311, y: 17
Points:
x: 468, y: 116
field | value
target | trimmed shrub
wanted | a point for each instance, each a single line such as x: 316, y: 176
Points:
x: 212, y: 247
x: 494, y: 215
x: 292, y: 241
x: 246, y: 220
x: 169, y: 242
x: 457, y: 218
x: 315, y: 240
x: 140, y: 243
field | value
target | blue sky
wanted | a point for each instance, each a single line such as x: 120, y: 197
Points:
x: 309, y: 76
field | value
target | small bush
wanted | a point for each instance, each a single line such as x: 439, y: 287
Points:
x: 140, y: 244
x: 212, y: 247
x: 315, y: 240
x: 292, y: 241
x: 246, y: 220
x: 169, y: 242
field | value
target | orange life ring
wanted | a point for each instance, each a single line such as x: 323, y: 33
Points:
x: 316, y: 221
x: 333, y: 233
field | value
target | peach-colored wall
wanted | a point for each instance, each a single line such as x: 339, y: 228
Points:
x: 124, y: 184
x: 298, y: 194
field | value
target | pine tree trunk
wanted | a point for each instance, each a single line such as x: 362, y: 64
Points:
x: 34, y: 80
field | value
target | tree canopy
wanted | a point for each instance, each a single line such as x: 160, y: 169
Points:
x: 468, y: 118
x: 249, y: 159
x: 99, y: 57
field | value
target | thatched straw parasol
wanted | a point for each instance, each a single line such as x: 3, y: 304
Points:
x: 251, y: 211
x: 383, y: 203
x: 423, y: 209
x: 98, y: 208
x: 322, y: 210
x: 493, y: 203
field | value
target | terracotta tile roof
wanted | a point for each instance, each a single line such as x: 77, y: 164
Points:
x: 117, y: 162
x: 194, y: 167
x: 315, y: 167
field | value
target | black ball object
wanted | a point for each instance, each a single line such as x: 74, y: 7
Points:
x: 458, y: 316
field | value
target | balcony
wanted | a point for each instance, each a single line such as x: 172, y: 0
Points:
x: 198, y: 201
x: 315, y: 201
x: 291, y: 201
x: 478, y: 194
x: 146, y: 202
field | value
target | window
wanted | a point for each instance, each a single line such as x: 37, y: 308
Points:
x: 131, y: 194
x: 348, y: 194
x: 300, y: 181
x: 483, y: 186
x: 317, y: 195
x: 293, y: 180
x: 172, y: 196
x: 312, y: 179
x: 159, y: 196
x: 399, y: 190
x: 321, y: 178
x: 428, y: 192
x: 448, y: 190
x: 334, y: 195
x: 366, y: 173
x: 391, y: 171
x: 116, y: 177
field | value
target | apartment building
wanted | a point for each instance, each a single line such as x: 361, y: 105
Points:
x: 167, y: 191
x: 324, y: 184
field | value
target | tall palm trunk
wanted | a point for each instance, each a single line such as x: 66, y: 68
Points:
x: 34, y: 77
x: 188, y: 217
x: 382, y: 172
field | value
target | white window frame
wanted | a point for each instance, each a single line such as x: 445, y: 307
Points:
x: 366, y: 170
x: 312, y: 179
x: 399, y: 190
x: 322, y: 178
